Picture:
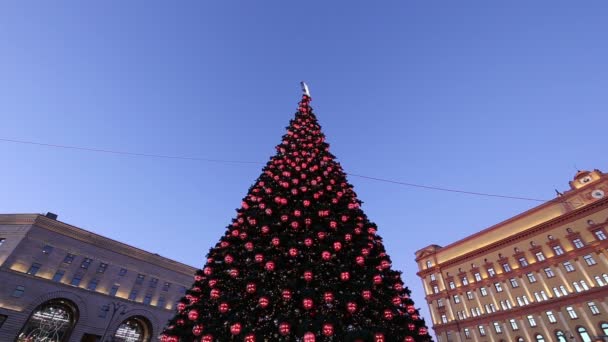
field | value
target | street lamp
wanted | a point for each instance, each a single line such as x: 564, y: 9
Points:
x: 116, y: 307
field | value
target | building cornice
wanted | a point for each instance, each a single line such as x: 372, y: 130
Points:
x: 96, y: 239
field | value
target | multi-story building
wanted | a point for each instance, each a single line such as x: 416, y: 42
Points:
x: 60, y: 283
x: 539, y: 276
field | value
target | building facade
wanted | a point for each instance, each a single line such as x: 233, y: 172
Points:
x: 539, y: 276
x: 61, y: 283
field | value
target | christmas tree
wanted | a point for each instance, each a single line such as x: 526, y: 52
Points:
x: 300, y: 262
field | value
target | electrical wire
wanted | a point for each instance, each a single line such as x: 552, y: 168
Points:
x: 226, y: 161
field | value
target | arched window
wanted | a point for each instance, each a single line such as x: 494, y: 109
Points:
x: 539, y: 338
x: 561, y: 337
x: 604, y: 327
x: 133, y: 329
x: 582, y: 332
x: 51, y: 321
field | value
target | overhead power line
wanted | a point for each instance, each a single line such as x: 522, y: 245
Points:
x: 227, y: 161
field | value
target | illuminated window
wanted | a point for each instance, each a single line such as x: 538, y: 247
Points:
x: 544, y: 295
x: 551, y: 317
x: 491, y: 272
x: 571, y: 312
x: 498, y: 287
x: 564, y: 291
x: 531, y: 277
x: 482, y: 331
x: 114, y: 290
x: 513, y: 324
x: 92, y: 284
x: 549, y: 272
x: 452, y: 285
x: 52, y: 321
x: 435, y: 289
x: 58, y: 275
x: 513, y: 282
x: 594, y: 309
x: 577, y: 287
x: 561, y: 337
x: 568, y: 266
x: 540, y: 256
x: 558, y: 250
x: 432, y: 277
x: 584, y: 285
x: 539, y: 338
x: 132, y: 330
x: 589, y: 260
x: 444, y: 318
x: 467, y: 333
x: 497, y: 327
x: 582, y: 332
x: 456, y: 299
x: 465, y: 281
x: 477, y: 276
x: 483, y: 291
x: 578, y: 243
x: 428, y: 264
x: 604, y: 327
x: 470, y: 295
x: 440, y: 302
x: 506, y: 267
x: 2, y: 241
x: 599, y: 281
x: 523, y: 262
x: 599, y: 234
x: 531, y: 321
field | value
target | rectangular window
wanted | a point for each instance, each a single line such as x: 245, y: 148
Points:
x: 58, y: 275
x: 540, y: 256
x: 599, y: 234
x: 571, y: 312
x: 497, y: 327
x: 435, y: 289
x: 161, y: 302
x: 92, y: 284
x: 525, y: 298
x: 558, y: 250
x: 513, y: 282
x: 563, y: 288
x: 531, y: 321
x: 568, y: 266
x: 551, y: 317
x: 544, y: 295
x: 578, y: 243
x: 520, y: 302
x: 593, y: 308
x: 506, y: 267
x: 557, y: 292
x: 452, y: 285
x: 465, y: 281
x: 47, y: 249
x: 491, y: 272
x: 456, y: 299
x: 69, y: 258
x: 166, y: 286
x: 513, y: 324
x: 444, y: 318
x: 102, y: 267
x: 34, y: 268
x: 538, y: 297
x: 498, y: 287
x: 433, y: 277
x: 584, y: 285
x: 477, y: 276
x: 140, y: 279
x: 86, y: 263
x: 133, y: 295
x: 470, y: 295
x: 599, y: 281
x: 147, y: 299
x: 467, y: 333
x: 440, y: 302
x: 18, y: 291
x: 523, y: 262
x: 549, y: 272
x: 482, y: 331
x: 483, y: 291
x: 531, y: 277
x: 589, y: 260
x: 113, y: 290
x: 122, y: 272
x: 153, y: 282
x: 76, y: 279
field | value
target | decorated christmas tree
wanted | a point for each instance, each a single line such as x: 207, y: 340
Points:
x: 300, y: 262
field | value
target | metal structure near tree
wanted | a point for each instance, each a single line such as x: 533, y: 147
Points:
x: 300, y: 262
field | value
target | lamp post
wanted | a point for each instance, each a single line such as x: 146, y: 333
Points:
x: 115, y: 307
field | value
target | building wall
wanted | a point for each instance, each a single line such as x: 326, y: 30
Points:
x: 535, y: 269
x: 36, y: 248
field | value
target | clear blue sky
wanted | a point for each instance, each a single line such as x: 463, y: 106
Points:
x: 500, y: 97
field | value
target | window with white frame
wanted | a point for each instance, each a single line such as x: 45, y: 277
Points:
x: 498, y: 287
x: 576, y: 286
x: 456, y: 299
x: 435, y: 289
x: 513, y: 282
x: 470, y: 295
x: 551, y: 317
x: 593, y: 308
x: 531, y: 277
x: 568, y: 266
x: 432, y: 277
x: 531, y: 320
x: 558, y: 250
x: 467, y: 333
x: 482, y: 331
x: 440, y: 302
x: 578, y: 243
x: 599, y: 234
x: 477, y: 276
x: 506, y: 267
x: 497, y: 327
x: 465, y: 281
x: 444, y: 318
x: 549, y: 272
x: 563, y: 289
x: 589, y: 260
x: 483, y: 291
x: 539, y: 256
x: 452, y: 285
x: 491, y: 272
x: 428, y: 264
x: 523, y: 262
x: 571, y: 312
x: 584, y: 285
x: 513, y: 323
x: 599, y: 281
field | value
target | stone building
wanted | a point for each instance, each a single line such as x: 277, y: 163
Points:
x: 539, y: 276
x: 64, y: 283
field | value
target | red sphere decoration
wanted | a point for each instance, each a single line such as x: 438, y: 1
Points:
x: 286, y: 294
x: 250, y: 338
x: 309, y: 337
x: 325, y: 255
x: 388, y: 314
x: 224, y: 307
x: 385, y: 264
x: 365, y: 251
x: 275, y: 241
x: 306, y: 203
x: 411, y: 309
x: 263, y: 302
x: 235, y: 329
x: 345, y: 276
x: 265, y: 230
x: 321, y: 235
x: 328, y: 329
x: 214, y: 294
x: 197, y: 330
x: 251, y: 288
x: 207, y: 338
x: 328, y: 297
x: 422, y: 331
x: 295, y: 225
x: 333, y: 224
x: 181, y: 307
x: 411, y: 326
x: 193, y: 315
x: 348, y: 237
x: 233, y: 272
x: 351, y: 307
x: 249, y: 246
x: 270, y: 266
x: 307, y: 303
x: 337, y: 246
x: 284, y: 328
x: 293, y: 252
x: 379, y: 337
x: 228, y: 259
x: 408, y: 339
x: 360, y: 260
x: 397, y: 300
x: 308, y: 276
x: 377, y: 279
x: 366, y: 294
x: 208, y: 270
x: 259, y: 258
x: 308, y: 242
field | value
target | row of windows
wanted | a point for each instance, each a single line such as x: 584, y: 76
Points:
x: 568, y: 267
x: 557, y: 250
x: 35, y: 267
x: 560, y: 335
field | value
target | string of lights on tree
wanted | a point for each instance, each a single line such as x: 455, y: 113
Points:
x: 300, y: 261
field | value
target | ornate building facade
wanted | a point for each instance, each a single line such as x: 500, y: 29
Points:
x: 60, y: 283
x: 539, y: 276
